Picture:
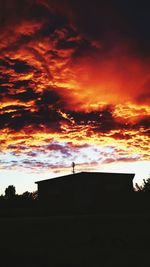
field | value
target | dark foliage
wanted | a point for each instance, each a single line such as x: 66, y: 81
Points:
x: 146, y: 187
x: 10, y: 192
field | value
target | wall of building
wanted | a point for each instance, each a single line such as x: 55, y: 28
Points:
x: 85, y: 193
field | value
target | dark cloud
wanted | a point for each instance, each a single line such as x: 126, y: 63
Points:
x: 12, y: 107
x: 46, y: 112
x: 4, y: 78
x: 21, y: 67
x: 98, y: 116
x: 143, y: 123
x: 35, y: 120
x: 21, y: 118
x: 32, y: 154
x: 13, y: 11
x: 20, y: 84
x: 101, y: 121
x: 113, y: 21
x: 26, y: 96
x: 48, y: 97
x: 4, y: 63
x: 41, y: 59
x: 109, y: 21
x: 38, y: 11
x: 3, y: 90
x: 147, y: 132
x: 45, y: 48
x: 64, y: 150
x: 66, y: 45
x: 17, y: 147
x: 121, y: 136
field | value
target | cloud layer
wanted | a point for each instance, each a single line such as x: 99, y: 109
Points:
x: 73, y: 83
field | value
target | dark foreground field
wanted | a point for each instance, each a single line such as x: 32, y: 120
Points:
x: 79, y: 240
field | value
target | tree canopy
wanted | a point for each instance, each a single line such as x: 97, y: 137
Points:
x: 146, y: 186
x: 10, y: 192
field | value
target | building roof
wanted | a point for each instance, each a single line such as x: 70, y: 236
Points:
x: 100, y: 175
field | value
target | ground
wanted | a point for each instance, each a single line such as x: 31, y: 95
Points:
x: 79, y: 240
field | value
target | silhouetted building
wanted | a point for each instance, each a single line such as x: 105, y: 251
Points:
x: 85, y: 190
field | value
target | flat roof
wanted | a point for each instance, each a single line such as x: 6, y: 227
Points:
x: 81, y: 174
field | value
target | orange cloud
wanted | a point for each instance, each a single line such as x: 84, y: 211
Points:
x: 58, y: 84
x: 114, y: 78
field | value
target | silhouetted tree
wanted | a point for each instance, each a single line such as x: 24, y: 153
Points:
x: 2, y: 197
x: 146, y: 186
x: 35, y: 195
x: 138, y: 188
x: 10, y: 192
x: 26, y: 196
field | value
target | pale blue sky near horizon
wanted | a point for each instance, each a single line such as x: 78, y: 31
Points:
x: 24, y: 180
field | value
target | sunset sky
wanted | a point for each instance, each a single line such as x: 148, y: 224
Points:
x: 74, y: 86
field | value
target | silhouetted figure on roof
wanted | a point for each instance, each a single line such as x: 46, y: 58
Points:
x: 73, y: 167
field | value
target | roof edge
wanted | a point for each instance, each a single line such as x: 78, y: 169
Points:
x: 131, y: 174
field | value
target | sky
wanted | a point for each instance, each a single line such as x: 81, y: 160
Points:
x: 74, y: 87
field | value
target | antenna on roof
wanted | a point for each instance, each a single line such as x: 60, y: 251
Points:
x: 73, y: 167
